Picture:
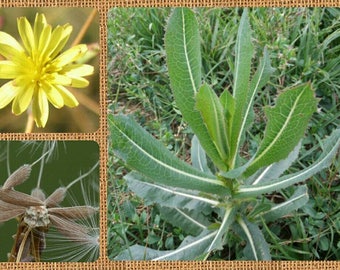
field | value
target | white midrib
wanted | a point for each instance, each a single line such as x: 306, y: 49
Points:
x: 219, y: 131
x: 190, y: 219
x: 278, y: 135
x: 281, y: 183
x: 237, y: 63
x: 203, y: 179
x: 250, y: 238
x: 200, y: 162
x: 284, y: 204
x: 212, y: 202
x: 244, y: 120
x: 186, y: 55
x: 222, y: 229
x: 190, y: 246
x: 262, y: 175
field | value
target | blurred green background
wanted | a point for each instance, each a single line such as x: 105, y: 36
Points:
x: 83, y: 118
x: 70, y: 159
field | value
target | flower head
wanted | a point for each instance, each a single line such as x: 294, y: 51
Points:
x: 39, y: 72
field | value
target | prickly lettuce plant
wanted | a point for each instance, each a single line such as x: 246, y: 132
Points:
x: 208, y: 201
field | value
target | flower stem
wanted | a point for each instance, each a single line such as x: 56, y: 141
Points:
x: 30, y: 122
x: 86, y: 25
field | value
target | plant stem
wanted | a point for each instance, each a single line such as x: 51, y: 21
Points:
x: 30, y: 122
x: 86, y: 25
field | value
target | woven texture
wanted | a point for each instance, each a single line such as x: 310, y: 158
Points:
x: 100, y: 136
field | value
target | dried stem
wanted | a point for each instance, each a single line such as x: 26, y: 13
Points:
x: 83, y: 30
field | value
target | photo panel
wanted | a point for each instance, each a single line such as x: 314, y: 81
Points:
x: 223, y: 134
x: 49, y: 201
x: 49, y: 69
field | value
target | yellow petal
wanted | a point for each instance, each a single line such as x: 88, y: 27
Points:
x: 69, y: 98
x: 10, y: 41
x: 53, y: 95
x: 60, y: 39
x: 18, y: 57
x: 40, y: 109
x: 9, y: 70
x: 55, y: 39
x: 60, y: 79
x: 70, y: 55
x: 22, y: 99
x: 79, y: 82
x: 7, y: 93
x: 44, y: 41
x: 26, y: 34
x: 79, y: 70
x: 39, y: 25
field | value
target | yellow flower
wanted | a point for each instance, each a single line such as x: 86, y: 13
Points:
x: 39, y: 71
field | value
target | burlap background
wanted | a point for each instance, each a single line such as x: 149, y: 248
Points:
x: 101, y: 134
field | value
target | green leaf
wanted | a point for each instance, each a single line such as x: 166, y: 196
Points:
x: 244, y: 53
x: 228, y: 104
x: 198, y: 157
x: 228, y: 219
x: 192, y: 222
x: 296, y: 201
x: 330, y: 148
x: 244, y: 114
x: 190, y: 248
x: 167, y: 196
x: 148, y: 156
x: 287, y: 122
x: 212, y: 112
x: 257, y: 248
x: 274, y: 171
x: 183, y: 54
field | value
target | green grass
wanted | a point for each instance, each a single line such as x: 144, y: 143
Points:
x: 304, y: 45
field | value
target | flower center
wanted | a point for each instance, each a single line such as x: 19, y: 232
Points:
x: 39, y: 71
x: 37, y: 216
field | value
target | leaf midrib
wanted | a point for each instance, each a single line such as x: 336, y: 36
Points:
x: 278, y: 184
x: 278, y: 135
x: 207, y: 180
x: 191, y: 245
x: 186, y: 54
x: 244, y: 120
